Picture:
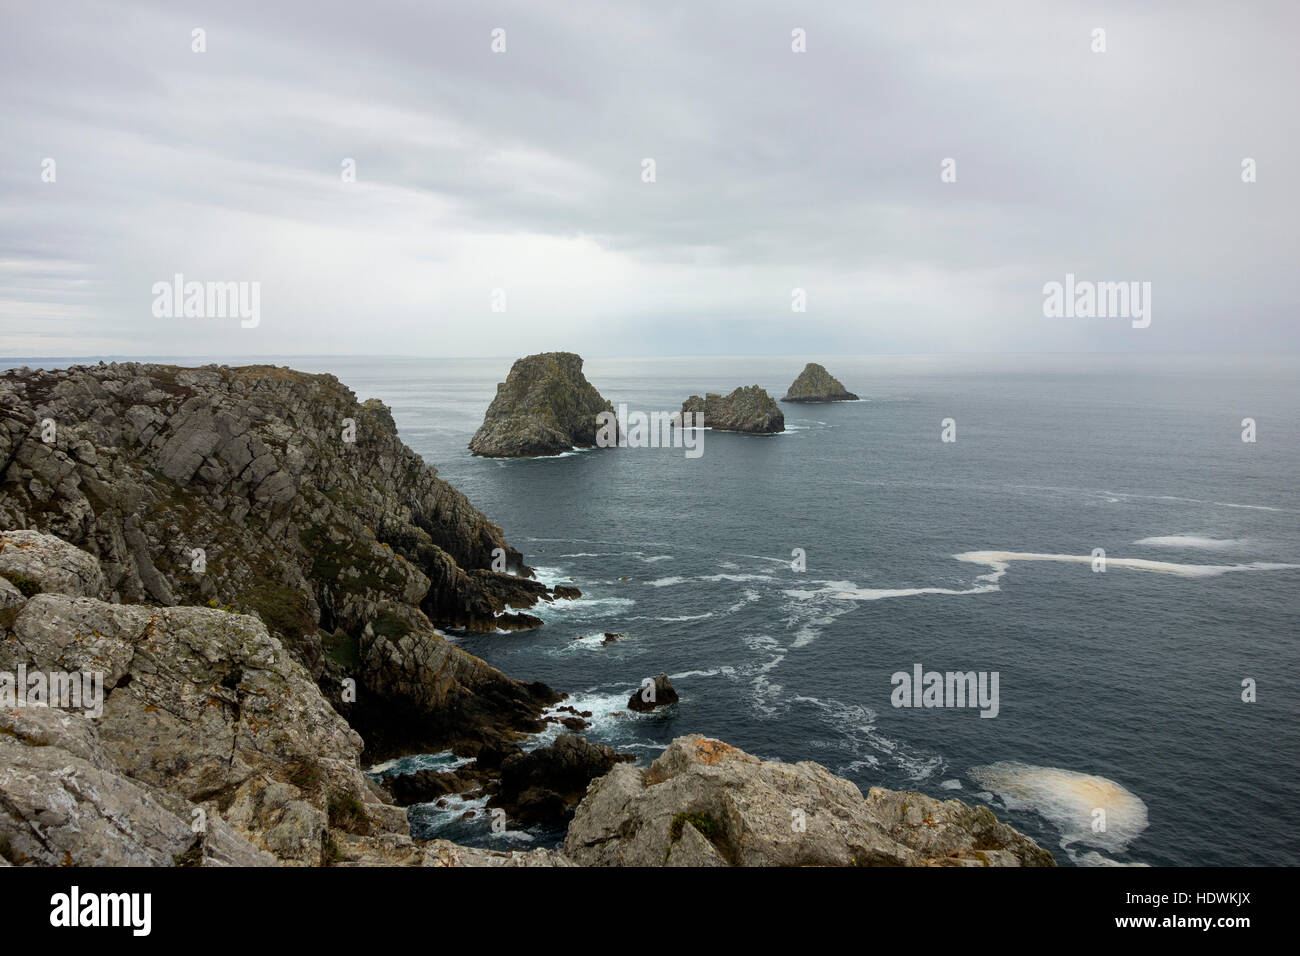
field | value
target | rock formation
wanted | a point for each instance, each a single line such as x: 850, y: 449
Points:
x: 815, y: 384
x: 747, y: 409
x: 274, y: 492
x: 544, y: 785
x: 202, y: 710
x: 705, y: 803
x: 664, y: 694
x: 544, y: 407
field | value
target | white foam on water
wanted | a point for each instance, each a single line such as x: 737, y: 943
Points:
x: 551, y: 576
x: 588, y: 642
x: 739, y: 578
x: 1068, y: 800
x: 1201, y: 501
x: 654, y: 558
x: 1000, y: 559
x: 950, y: 784
x: 1195, y: 541
x: 747, y: 597
x: 583, y: 606
x: 443, y: 761
x: 856, y: 726
x: 665, y: 582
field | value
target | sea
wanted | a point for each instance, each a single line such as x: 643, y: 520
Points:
x: 1092, y: 529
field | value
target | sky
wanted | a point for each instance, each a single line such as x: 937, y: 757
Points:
x: 517, y: 178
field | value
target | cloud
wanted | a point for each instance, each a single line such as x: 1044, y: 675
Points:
x: 521, y: 171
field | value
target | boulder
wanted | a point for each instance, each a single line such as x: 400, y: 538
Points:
x: 747, y: 409
x: 706, y: 803
x: 644, y: 700
x: 815, y: 384
x: 544, y: 407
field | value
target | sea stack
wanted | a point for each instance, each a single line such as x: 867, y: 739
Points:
x: 544, y: 407
x: 747, y: 409
x: 815, y: 384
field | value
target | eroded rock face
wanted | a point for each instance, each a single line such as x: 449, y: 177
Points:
x: 747, y: 409
x: 705, y: 803
x: 815, y: 384
x: 273, y: 492
x: 544, y: 407
x: 213, y: 745
x: 201, y: 708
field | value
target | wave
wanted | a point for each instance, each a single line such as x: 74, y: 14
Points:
x: 665, y: 582
x: 1069, y: 801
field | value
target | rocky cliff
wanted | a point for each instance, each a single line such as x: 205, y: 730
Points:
x: 815, y: 384
x: 544, y: 407
x: 747, y: 409
x: 276, y: 493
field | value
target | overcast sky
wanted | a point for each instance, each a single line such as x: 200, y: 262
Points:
x: 522, y: 171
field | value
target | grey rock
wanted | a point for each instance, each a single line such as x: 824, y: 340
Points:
x: 35, y: 563
x: 747, y: 409
x: 544, y: 407
x: 815, y: 384
x: 706, y: 803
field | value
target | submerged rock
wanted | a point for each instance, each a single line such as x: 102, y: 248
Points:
x: 705, y: 803
x: 747, y: 409
x: 544, y: 407
x: 815, y: 384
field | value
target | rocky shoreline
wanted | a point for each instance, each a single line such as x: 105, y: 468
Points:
x: 257, y: 569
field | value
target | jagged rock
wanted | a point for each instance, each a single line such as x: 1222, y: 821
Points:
x: 542, y: 785
x: 567, y: 592
x: 815, y: 384
x: 201, y: 708
x: 63, y: 802
x: 271, y: 492
x: 747, y: 409
x: 544, y: 407
x: 704, y: 802
x: 425, y: 786
x: 664, y: 694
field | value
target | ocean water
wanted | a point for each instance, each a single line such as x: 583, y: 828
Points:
x: 1119, y: 690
